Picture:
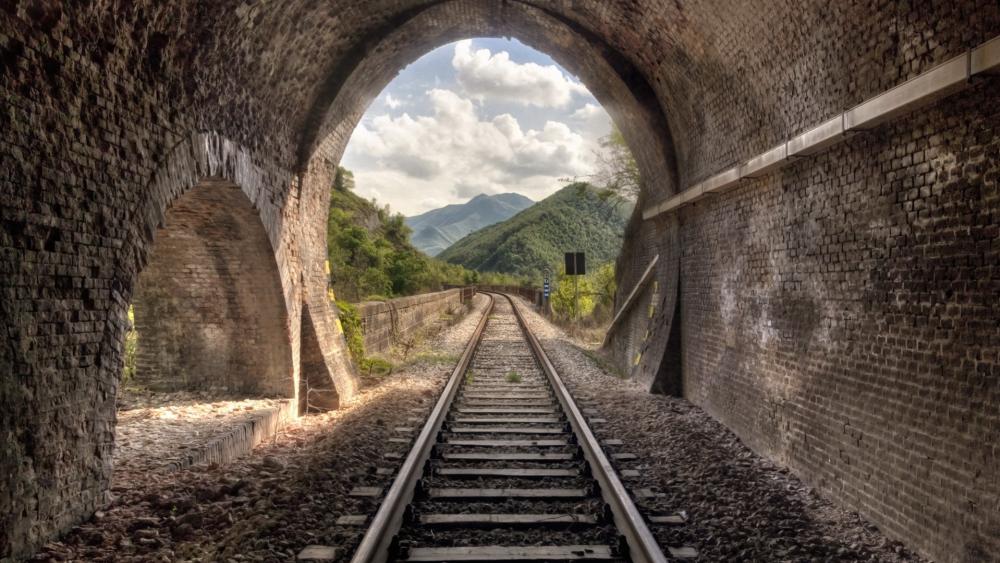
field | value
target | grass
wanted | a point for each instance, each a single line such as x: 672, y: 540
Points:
x: 470, y: 376
x: 513, y: 377
x: 377, y: 366
x: 432, y: 358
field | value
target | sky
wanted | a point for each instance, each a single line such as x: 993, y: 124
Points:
x: 475, y: 116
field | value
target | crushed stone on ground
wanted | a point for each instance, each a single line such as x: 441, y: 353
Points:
x: 287, y: 495
x: 740, y: 506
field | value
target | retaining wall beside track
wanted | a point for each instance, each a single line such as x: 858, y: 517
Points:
x: 385, y: 323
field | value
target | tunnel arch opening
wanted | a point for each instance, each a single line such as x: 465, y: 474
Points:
x: 209, y: 306
x: 619, y: 86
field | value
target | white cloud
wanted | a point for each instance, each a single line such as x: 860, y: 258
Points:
x: 482, y: 75
x: 592, y: 119
x: 392, y: 103
x: 453, y: 150
x: 588, y: 111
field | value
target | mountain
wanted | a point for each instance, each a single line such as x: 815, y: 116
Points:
x: 438, y: 229
x: 574, y: 219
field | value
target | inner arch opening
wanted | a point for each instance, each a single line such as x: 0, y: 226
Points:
x: 618, y: 86
x: 208, y: 307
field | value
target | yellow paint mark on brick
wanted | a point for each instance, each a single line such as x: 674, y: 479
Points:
x: 340, y: 327
x: 637, y: 358
x: 645, y: 337
x: 330, y: 295
x: 326, y: 265
x: 652, y: 308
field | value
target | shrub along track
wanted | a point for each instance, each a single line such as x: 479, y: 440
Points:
x: 506, y: 468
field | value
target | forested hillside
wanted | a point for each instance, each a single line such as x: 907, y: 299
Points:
x: 576, y: 218
x: 370, y: 254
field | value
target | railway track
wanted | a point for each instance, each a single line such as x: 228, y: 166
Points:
x: 506, y: 468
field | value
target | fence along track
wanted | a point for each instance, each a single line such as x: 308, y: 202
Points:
x: 506, y: 468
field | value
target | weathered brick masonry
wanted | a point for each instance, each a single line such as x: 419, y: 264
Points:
x: 843, y: 316
x: 386, y: 323
x: 839, y: 315
x: 108, y: 118
x: 208, y: 307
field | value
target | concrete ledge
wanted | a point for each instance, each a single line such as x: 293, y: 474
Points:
x: 986, y: 58
x: 766, y: 162
x: 818, y: 138
x: 943, y: 80
x: 241, y: 440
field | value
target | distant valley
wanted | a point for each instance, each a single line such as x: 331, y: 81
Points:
x: 436, y: 230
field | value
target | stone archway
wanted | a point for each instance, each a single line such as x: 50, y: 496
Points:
x: 209, y: 305
x: 99, y: 93
x: 620, y: 86
x: 615, y: 82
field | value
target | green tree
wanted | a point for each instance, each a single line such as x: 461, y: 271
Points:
x: 407, y: 273
x: 343, y: 181
x: 369, y: 250
x: 564, y: 297
x: 604, y: 286
x: 617, y: 173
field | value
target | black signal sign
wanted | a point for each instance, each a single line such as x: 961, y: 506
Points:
x: 576, y: 264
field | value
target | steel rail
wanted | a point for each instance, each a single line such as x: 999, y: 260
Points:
x: 641, y: 543
x: 376, y: 543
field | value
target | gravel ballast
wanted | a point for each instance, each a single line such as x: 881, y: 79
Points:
x: 292, y: 490
x: 739, y: 506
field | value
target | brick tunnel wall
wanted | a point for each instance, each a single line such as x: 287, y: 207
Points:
x: 209, y: 308
x: 841, y: 316
x: 115, y: 110
x: 386, y: 323
x: 638, y: 341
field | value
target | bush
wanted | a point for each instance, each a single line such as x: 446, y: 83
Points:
x: 351, y: 323
x: 355, y: 337
x: 131, y: 347
x: 597, y: 295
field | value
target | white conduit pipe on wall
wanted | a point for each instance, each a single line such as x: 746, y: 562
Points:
x: 947, y: 78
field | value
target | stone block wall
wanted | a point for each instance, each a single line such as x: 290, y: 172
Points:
x: 385, y: 323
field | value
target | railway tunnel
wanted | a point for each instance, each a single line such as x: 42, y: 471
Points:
x: 820, y: 212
